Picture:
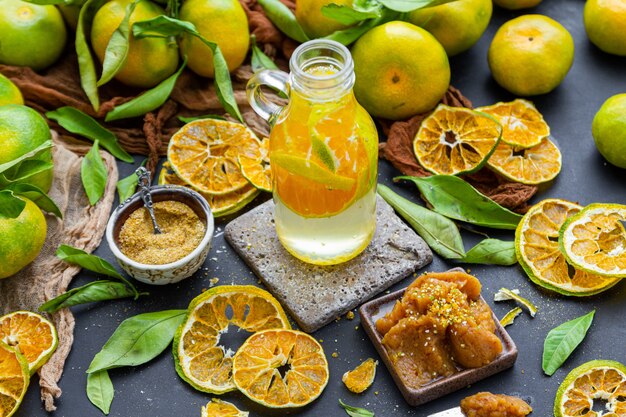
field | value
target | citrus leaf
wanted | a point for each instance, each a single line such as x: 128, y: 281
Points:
x: 438, y: 231
x: 93, y: 174
x: 117, y: 48
x: 126, y: 187
x: 86, y: 66
x: 492, y: 252
x: 28, y: 155
x: 355, y: 411
x: 138, y: 340
x: 457, y: 199
x: 23, y: 171
x: 10, y: 206
x: 75, y: 121
x: 351, y: 34
x: 284, y: 19
x: 37, y: 196
x: 347, y: 15
x: 405, y: 6
x: 147, y: 101
x: 100, y: 390
x: 259, y: 60
x: 92, y: 292
x: 563, y: 340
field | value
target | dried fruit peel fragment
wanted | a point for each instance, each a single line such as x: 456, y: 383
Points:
x: 362, y: 377
x: 509, y: 317
x: 505, y: 294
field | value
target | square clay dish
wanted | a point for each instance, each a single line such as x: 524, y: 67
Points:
x: 375, y: 309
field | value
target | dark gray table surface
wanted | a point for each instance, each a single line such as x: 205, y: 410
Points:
x: 155, y: 390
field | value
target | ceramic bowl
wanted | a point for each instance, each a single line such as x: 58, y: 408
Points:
x: 166, y: 273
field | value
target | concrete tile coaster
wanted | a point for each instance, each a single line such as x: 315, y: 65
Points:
x: 315, y: 295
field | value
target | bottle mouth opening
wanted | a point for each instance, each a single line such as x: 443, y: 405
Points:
x: 321, y: 53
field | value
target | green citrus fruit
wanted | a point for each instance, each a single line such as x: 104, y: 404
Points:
x: 150, y: 60
x: 9, y: 93
x: 32, y: 35
x: 605, y: 25
x: 221, y: 21
x: 21, y: 239
x: 400, y: 69
x: 457, y: 25
x: 22, y: 129
x: 609, y: 130
x: 531, y: 55
x: 516, y: 4
x: 313, y: 22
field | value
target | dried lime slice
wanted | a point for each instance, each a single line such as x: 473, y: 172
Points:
x: 14, y: 379
x: 219, y: 408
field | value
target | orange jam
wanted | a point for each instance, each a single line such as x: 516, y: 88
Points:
x: 486, y: 404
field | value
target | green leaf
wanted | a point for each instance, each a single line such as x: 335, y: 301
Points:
x: 10, y: 206
x: 117, y: 48
x: 27, y: 156
x: 86, y: 64
x: 284, y: 19
x: 349, y: 35
x: 205, y: 116
x: 355, y: 411
x: 563, y: 340
x: 347, y: 15
x: 92, y: 292
x: 405, y: 6
x: 438, y: 231
x: 126, y: 186
x: 162, y: 27
x: 100, y: 390
x: 25, y: 170
x: 457, y: 199
x: 75, y: 121
x: 138, y: 340
x: 492, y: 252
x: 37, y: 196
x: 93, y: 173
x: 259, y: 60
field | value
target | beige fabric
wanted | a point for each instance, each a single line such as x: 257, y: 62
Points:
x: 82, y: 226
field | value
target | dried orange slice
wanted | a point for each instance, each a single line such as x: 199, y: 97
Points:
x: 257, y: 364
x: 31, y: 334
x: 258, y: 171
x: 360, y: 378
x: 522, y: 124
x: 200, y: 359
x: 204, y: 154
x: 14, y: 379
x: 221, y: 205
x: 537, y: 248
x: 455, y: 140
x: 594, y: 240
x: 219, y: 408
x: 595, y: 380
x: 541, y: 163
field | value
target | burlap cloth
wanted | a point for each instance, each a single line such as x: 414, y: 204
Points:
x: 82, y: 226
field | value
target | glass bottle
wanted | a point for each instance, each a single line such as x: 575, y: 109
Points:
x: 323, y: 155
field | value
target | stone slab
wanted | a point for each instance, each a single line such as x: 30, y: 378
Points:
x: 316, y: 295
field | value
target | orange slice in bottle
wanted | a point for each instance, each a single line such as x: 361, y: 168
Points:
x: 257, y: 365
x: 204, y: 154
x: 14, y: 379
x: 199, y: 358
x: 362, y: 377
x: 536, y: 165
x: 455, y: 140
x: 522, y: 124
x: 219, y: 408
x: 31, y: 334
x: 256, y: 170
x: 538, y: 252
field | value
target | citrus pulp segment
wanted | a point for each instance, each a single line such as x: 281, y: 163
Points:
x: 204, y: 154
x: 536, y: 165
x: 594, y: 240
x: 595, y: 380
x: 522, y: 124
x: 256, y: 368
x: 31, y: 334
x: 537, y: 248
x: 258, y: 171
x: 360, y: 378
x: 14, y: 379
x: 200, y: 359
x: 455, y: 140
x: 219, y: 408
x: 221, y: 205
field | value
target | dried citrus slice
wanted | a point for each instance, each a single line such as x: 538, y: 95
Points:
x: 14, y: 379
x: 257, y: 364
x: 204, y: 154
x: 31, y: 334
x: 200, y: 359
x: 219, y: 408
x: 455, y: 140
x: 258, y: 171
x: 594, y: 240
x: 541, y: 163
x: 221, y: 205
x: 537, y: 248
x: 522, y: 124
x: 600, y: 380
x: 360, y: 378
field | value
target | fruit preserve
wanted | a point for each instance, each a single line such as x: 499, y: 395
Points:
x: 323, y: 155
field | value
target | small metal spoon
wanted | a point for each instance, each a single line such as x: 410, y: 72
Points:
x: 144, y: 186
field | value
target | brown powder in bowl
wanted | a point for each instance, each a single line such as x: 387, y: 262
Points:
x: 182, y: 231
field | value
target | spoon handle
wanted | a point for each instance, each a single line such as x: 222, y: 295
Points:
x: 144, y: 186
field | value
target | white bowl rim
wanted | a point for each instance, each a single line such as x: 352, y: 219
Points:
x: 172, y: 265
